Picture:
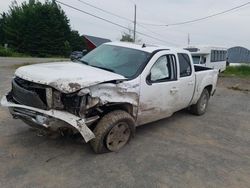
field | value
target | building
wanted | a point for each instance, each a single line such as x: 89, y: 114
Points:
x: 93, y: 42
x: 238, y: 55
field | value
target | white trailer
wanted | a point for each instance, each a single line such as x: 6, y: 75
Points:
x: 211, y: 57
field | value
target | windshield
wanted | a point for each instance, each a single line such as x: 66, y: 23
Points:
x: 120, y: 60
x: 196, y: 59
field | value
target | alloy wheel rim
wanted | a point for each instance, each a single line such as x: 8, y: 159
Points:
x: 118, y: 136
x: 203, y: 103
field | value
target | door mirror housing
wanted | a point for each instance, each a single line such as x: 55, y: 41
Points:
x: 148, y: 79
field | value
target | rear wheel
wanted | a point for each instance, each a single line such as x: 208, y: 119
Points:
x: 201, y: 106
x: 113, y: 132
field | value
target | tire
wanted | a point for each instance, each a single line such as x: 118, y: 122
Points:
x: 113, y: 132
x: 201, y: 106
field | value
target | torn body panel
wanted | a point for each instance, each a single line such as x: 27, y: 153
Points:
x: 120, y: 93
x: 127, y: 92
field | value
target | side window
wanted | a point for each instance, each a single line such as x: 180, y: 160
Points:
x: 185, y: 65
x: 212, y: 56
x: 203, y: 60
x: 218, y: 55
x: 164, y: 69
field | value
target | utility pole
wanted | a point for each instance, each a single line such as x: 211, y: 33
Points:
x: 135, y: 24
x: 188, y: 39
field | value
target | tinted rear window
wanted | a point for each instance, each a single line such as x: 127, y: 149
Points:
x: 185, y: 65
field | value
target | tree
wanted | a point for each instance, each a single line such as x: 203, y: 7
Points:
x: 2, y: 22
x: 39, y: 29
x: 127, y: 36
x: 77, y: 42
x: 67, y: 48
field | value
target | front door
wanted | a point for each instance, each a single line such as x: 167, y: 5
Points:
x: 159, y: 89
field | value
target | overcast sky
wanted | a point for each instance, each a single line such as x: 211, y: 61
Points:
x: 227, y: 30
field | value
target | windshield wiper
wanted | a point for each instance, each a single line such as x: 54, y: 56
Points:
x: 84, y: 62
x: 103, y: 68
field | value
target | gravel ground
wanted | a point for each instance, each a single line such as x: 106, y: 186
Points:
x: 182, y: 151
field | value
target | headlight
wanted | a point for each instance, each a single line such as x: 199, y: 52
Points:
x: 57, y: 102
x: 92, y: 101
x: 49, y: 97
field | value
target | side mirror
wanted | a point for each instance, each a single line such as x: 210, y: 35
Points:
x: 148, y: 79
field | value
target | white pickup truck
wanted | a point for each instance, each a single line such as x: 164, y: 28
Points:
x: 110, y: 91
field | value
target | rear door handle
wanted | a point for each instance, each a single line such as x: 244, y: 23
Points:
x: 191, y: 83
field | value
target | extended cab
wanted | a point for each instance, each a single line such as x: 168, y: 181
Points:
x: 110, y: 91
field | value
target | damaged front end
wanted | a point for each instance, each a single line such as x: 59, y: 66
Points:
x: 47, y: 107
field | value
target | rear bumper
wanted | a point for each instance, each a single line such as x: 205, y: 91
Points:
x: 39, y: 116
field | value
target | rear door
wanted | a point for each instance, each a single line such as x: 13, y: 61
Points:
x: 186, y: 83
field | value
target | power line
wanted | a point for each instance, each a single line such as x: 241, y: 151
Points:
x: 133, y: 2
x: 140, y: 24
x: 173, y: 24
x: 111, y: 13
x: 118, y: 16
x: 111, y: 22
x: 98, y: 17
x: 199, y: 19
x: 153, y: 32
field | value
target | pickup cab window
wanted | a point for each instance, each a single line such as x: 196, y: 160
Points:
x: 185, y: 65
x: 164, y: 69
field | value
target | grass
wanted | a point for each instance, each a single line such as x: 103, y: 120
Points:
x: 16, y: 66
x: 10, y: 53
x: 238, y: 88
x: 240, y: 71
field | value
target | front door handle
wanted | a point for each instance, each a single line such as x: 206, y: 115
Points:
x: 173, y: 90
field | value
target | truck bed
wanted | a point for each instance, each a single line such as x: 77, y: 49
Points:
x: 204, y: 77
x: 198, y: 68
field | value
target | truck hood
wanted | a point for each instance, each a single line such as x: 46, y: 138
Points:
x: 66, y: 77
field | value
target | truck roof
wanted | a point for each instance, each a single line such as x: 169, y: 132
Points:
x: 147, y: 48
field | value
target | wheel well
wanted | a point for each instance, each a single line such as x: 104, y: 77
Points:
x: 119, y: 106
x: 209, y: 88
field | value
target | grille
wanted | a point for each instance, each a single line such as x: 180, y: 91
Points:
x: 29, y: 93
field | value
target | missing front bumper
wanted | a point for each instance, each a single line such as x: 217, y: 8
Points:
x: 71, y: 119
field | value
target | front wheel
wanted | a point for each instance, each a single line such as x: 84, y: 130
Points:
x: 201, y: 106
x: 113, y: 132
